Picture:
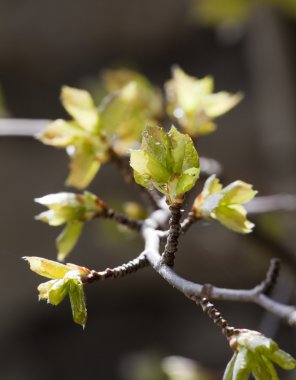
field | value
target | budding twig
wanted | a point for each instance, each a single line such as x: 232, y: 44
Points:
x: 120, y: 271
x: 227, y: 330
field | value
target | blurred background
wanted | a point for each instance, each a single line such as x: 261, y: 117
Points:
x: 137, y: 321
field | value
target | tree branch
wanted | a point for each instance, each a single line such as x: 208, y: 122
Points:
x: 124, y: 220
x: 271, y: 203
x: 171, y: 246
x: 188, y: 222
x: 271, y: 277
x: 191, y: 289
x: 120, y: 271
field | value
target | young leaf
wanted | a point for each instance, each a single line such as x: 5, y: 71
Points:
x: 66, y: 280
x: 80, y: 105
x: 254, y: 354
x: 228, y: 373
x: 65, y: 207
x: 47, y: 268
x: 77, y: 300
x: 84, y: 165
x: 193, y: 104
x: 167, y: 162
x: 86, y: 144
x: 225, y: 205
x: 73, y: 209
x: 115, y: 80
x: 68, y: 238
x: 241, y: 370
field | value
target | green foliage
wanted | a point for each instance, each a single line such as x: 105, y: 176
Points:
x: 115, y: 125
x: 167, y: 162
x: 233, y: 12
x: 192, y: 103
x: 65, y: 280
x: 225, y: 204
x: 95, y: 133
x: 255, y: 354
x: 72, y: 209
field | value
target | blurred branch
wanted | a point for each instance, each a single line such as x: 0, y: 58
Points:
x: 270, y: 203
x: 22, y: 127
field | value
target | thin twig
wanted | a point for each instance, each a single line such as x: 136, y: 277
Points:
x: 213, y: 313
x: 188, y: 222
x: 124, y: 220
x: 271, y: 277
x: 120, y: 271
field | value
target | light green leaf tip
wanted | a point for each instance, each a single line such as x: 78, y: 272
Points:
x: 225, y: 204
x: 167, y: 162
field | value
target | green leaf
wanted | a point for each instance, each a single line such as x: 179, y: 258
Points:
x: 73, y: 209
x: 261, y: 369
x: 193, y: 104
x: 234, y: 218
x: 77, y: 300
x: 229, y: 368
x: 187, y: 180
x: 68, y: 238
x: 255, y: 353
x: 57, y: 292
x: 241, y: 370
x: 61, y: 133
x: 65, y: 207
x: 272, y: 372
x: 66, y: 279
x: 238, y: 192
x: 80, y: 105
x: 217, y: 104
x: 47, y: 268
x: 115, y: 80
x: 283, y: 359
x: 83, y: 167
x: 166, y: 161
x: 225, y: 205
x: 44, y: 289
